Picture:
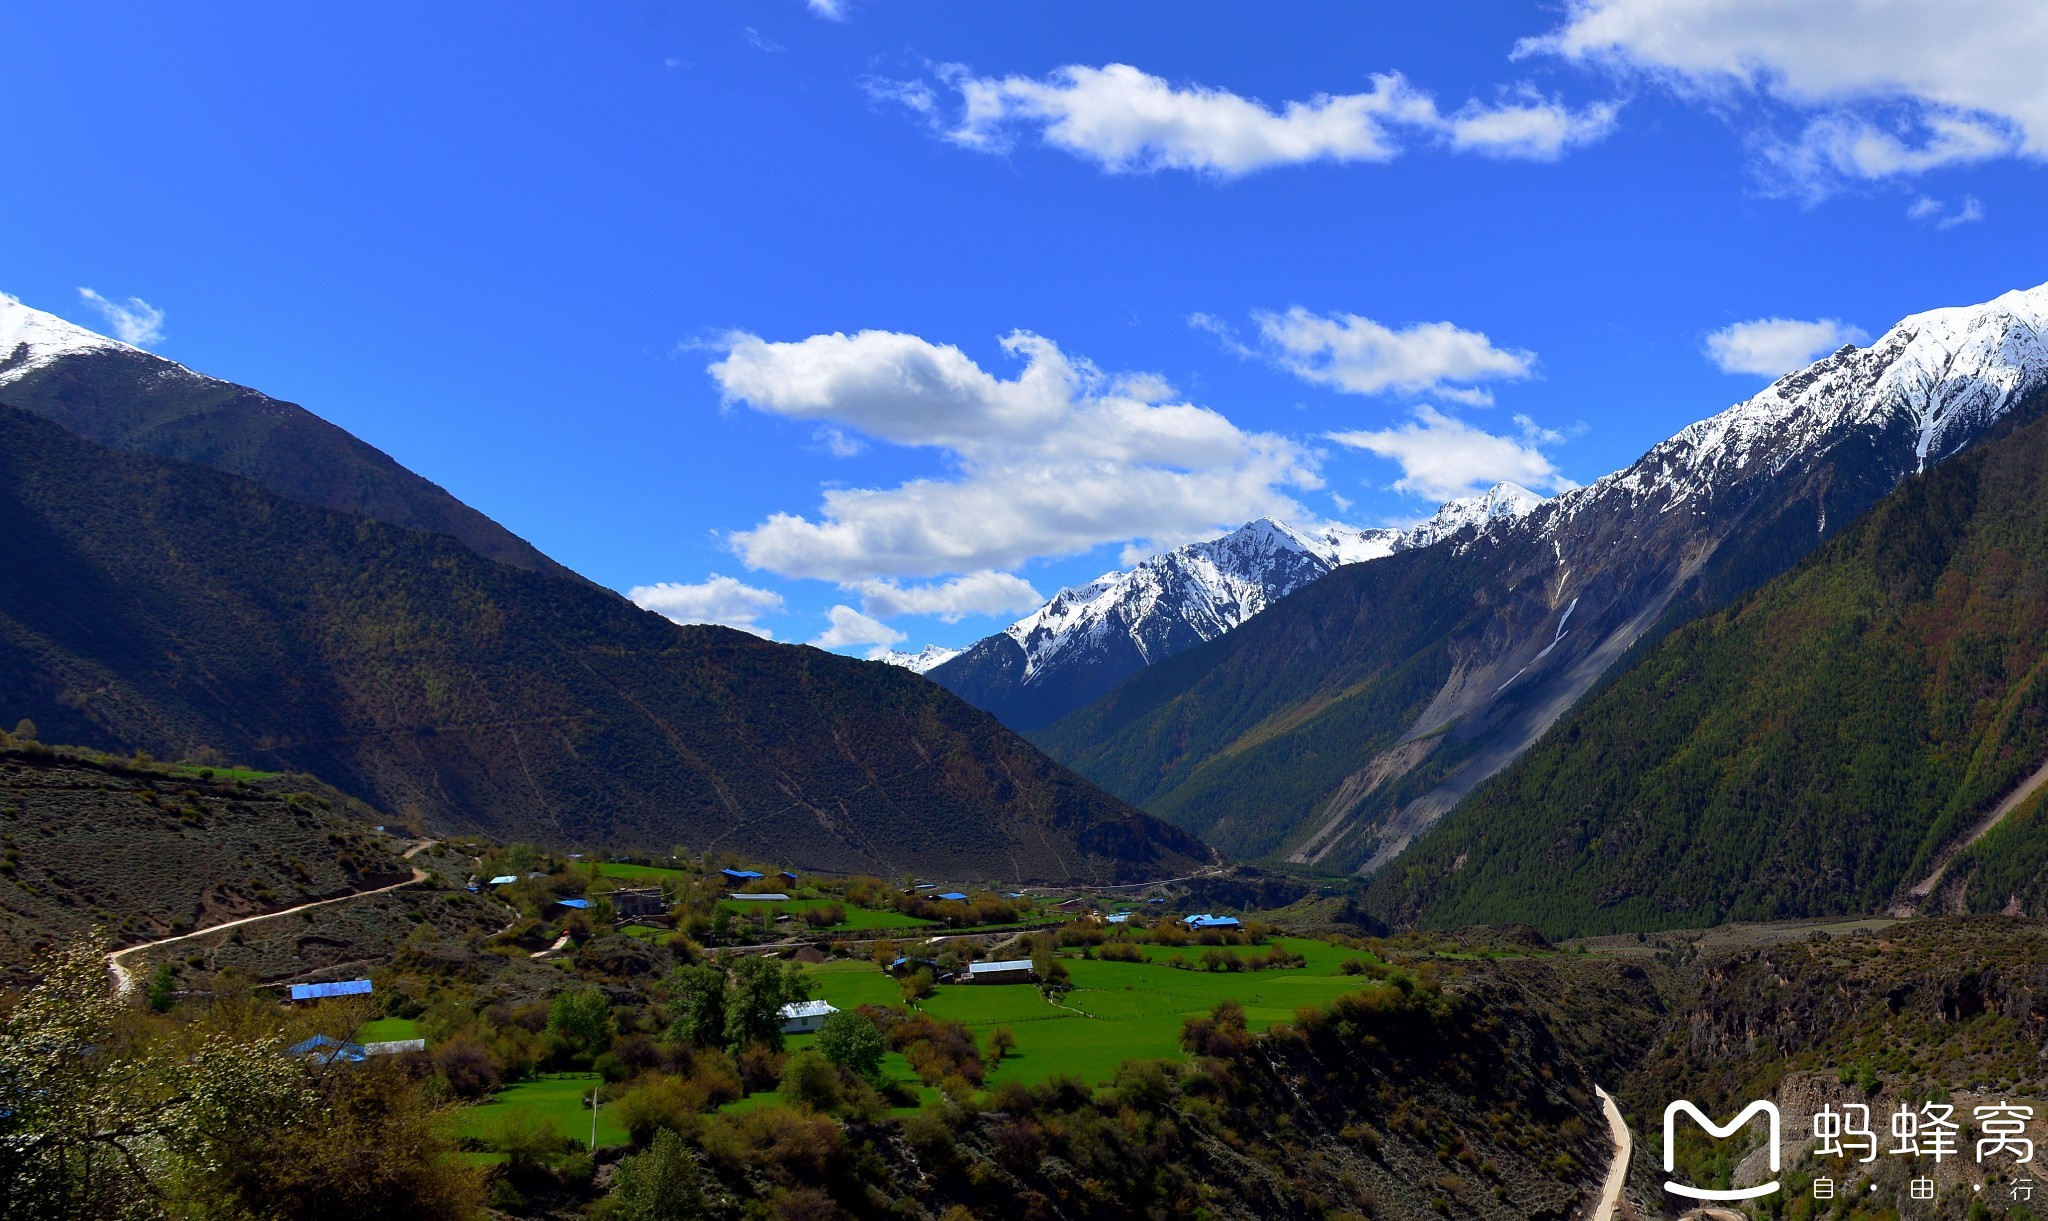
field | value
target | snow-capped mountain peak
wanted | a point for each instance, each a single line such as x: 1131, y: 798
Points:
x: 920, y: 661
x: 31, y: 338
x: 1123, y: 621
x: 1942, y: 375
x: 1503, y: 500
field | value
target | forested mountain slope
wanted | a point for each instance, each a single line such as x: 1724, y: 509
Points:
x: 1808, y: 750
x: 154, y: 604
x: 1337, y: 725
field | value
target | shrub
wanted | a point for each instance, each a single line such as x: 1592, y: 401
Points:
x: 853, y: 1042
x: 470, y: 1069
x: 662, y: 1184
x: 810, y: 1080
x: 660, y: 1103
x: 787, y: 1147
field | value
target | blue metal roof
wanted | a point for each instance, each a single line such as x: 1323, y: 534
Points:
x: 578, y: 904
x: 327, y: 1050
x: 740, y: 873
x: 314, y: 992
x: 953, y: 895
x: 1205, y: 920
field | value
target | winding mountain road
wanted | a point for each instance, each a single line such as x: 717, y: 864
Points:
x: 1617, y: 1170
x: 124, y: 980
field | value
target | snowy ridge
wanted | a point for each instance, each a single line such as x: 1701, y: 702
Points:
x: 1501, y: 502
x: 1943, y: 375
x: 920, y: 661
x: 1196, y: 593
x: 31, y: 338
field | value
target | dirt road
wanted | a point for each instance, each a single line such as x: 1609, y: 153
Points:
x: 1617, y: 1170
x: 124, y: 981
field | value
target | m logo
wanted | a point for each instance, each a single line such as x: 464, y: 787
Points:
x: 1717, y: 1131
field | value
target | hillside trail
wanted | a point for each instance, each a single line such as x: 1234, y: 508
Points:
x: 1617, y: 1170
x: 2012, y: 801
x: 124, y: 980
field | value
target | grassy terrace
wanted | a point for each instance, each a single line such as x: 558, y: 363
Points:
x: 559, y: 1098
x: 856, y: 917
x: 1117, y: 1011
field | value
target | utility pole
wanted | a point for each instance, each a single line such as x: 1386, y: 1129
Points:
x: 593, y: 1119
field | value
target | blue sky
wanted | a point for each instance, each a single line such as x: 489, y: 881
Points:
x: 892, y: 316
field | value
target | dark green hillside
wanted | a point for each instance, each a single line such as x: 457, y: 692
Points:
x: 153, y: 604
x: 149, y: 850
x: 1809, y: 750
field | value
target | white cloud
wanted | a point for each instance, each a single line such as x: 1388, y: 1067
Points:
x: 1129, y: 121
x: 830, y: 10
x: 135, y: 321
x: 977, y: 593
x: 1888, y: 87
x: 718, y: 600
x: 1360, y: 356
x: 760, y: 41
x: 1770, y: 347
x: 1442, y: 457
x: 1534, y: 129
x: 850, y: 627
x: 913, y: 95
x: 1055, y: 461
x: 1929, y: 209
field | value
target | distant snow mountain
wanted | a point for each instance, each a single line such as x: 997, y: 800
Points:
x: 1362, y: 711
x: 1089, y: 637
x: 922, y: 660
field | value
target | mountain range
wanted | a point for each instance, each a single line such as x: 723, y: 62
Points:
x: 1340, y: 723
x: 255, y: 607
x: 1866, y: 732
x: 1088, y: 638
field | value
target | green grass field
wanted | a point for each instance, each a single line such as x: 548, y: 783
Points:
x: 1117, y: 1011
x: 856, y: 917
x: 641, y: 873
x: 560, y: 1097
x: 387, y: 1030
x: 223, y: 773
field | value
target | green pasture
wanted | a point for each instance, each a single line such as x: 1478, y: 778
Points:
x: 856, y: 917
x: 223, y: 773
x: 560, y: 1097
x: 642, y: 873
x: 387, y: 1030
x: 1116, y: 1011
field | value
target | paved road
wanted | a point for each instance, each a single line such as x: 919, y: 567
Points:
x: 124, y: 981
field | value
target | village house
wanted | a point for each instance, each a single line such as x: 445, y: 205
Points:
x: 1008, y: 971
x: 639, y: 901
x: 805, y: 1017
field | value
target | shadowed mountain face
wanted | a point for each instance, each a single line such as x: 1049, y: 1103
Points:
x: 153, y: 604
x: 1820, y: 747
x: 127, y: 399
x: 1339, y: 724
